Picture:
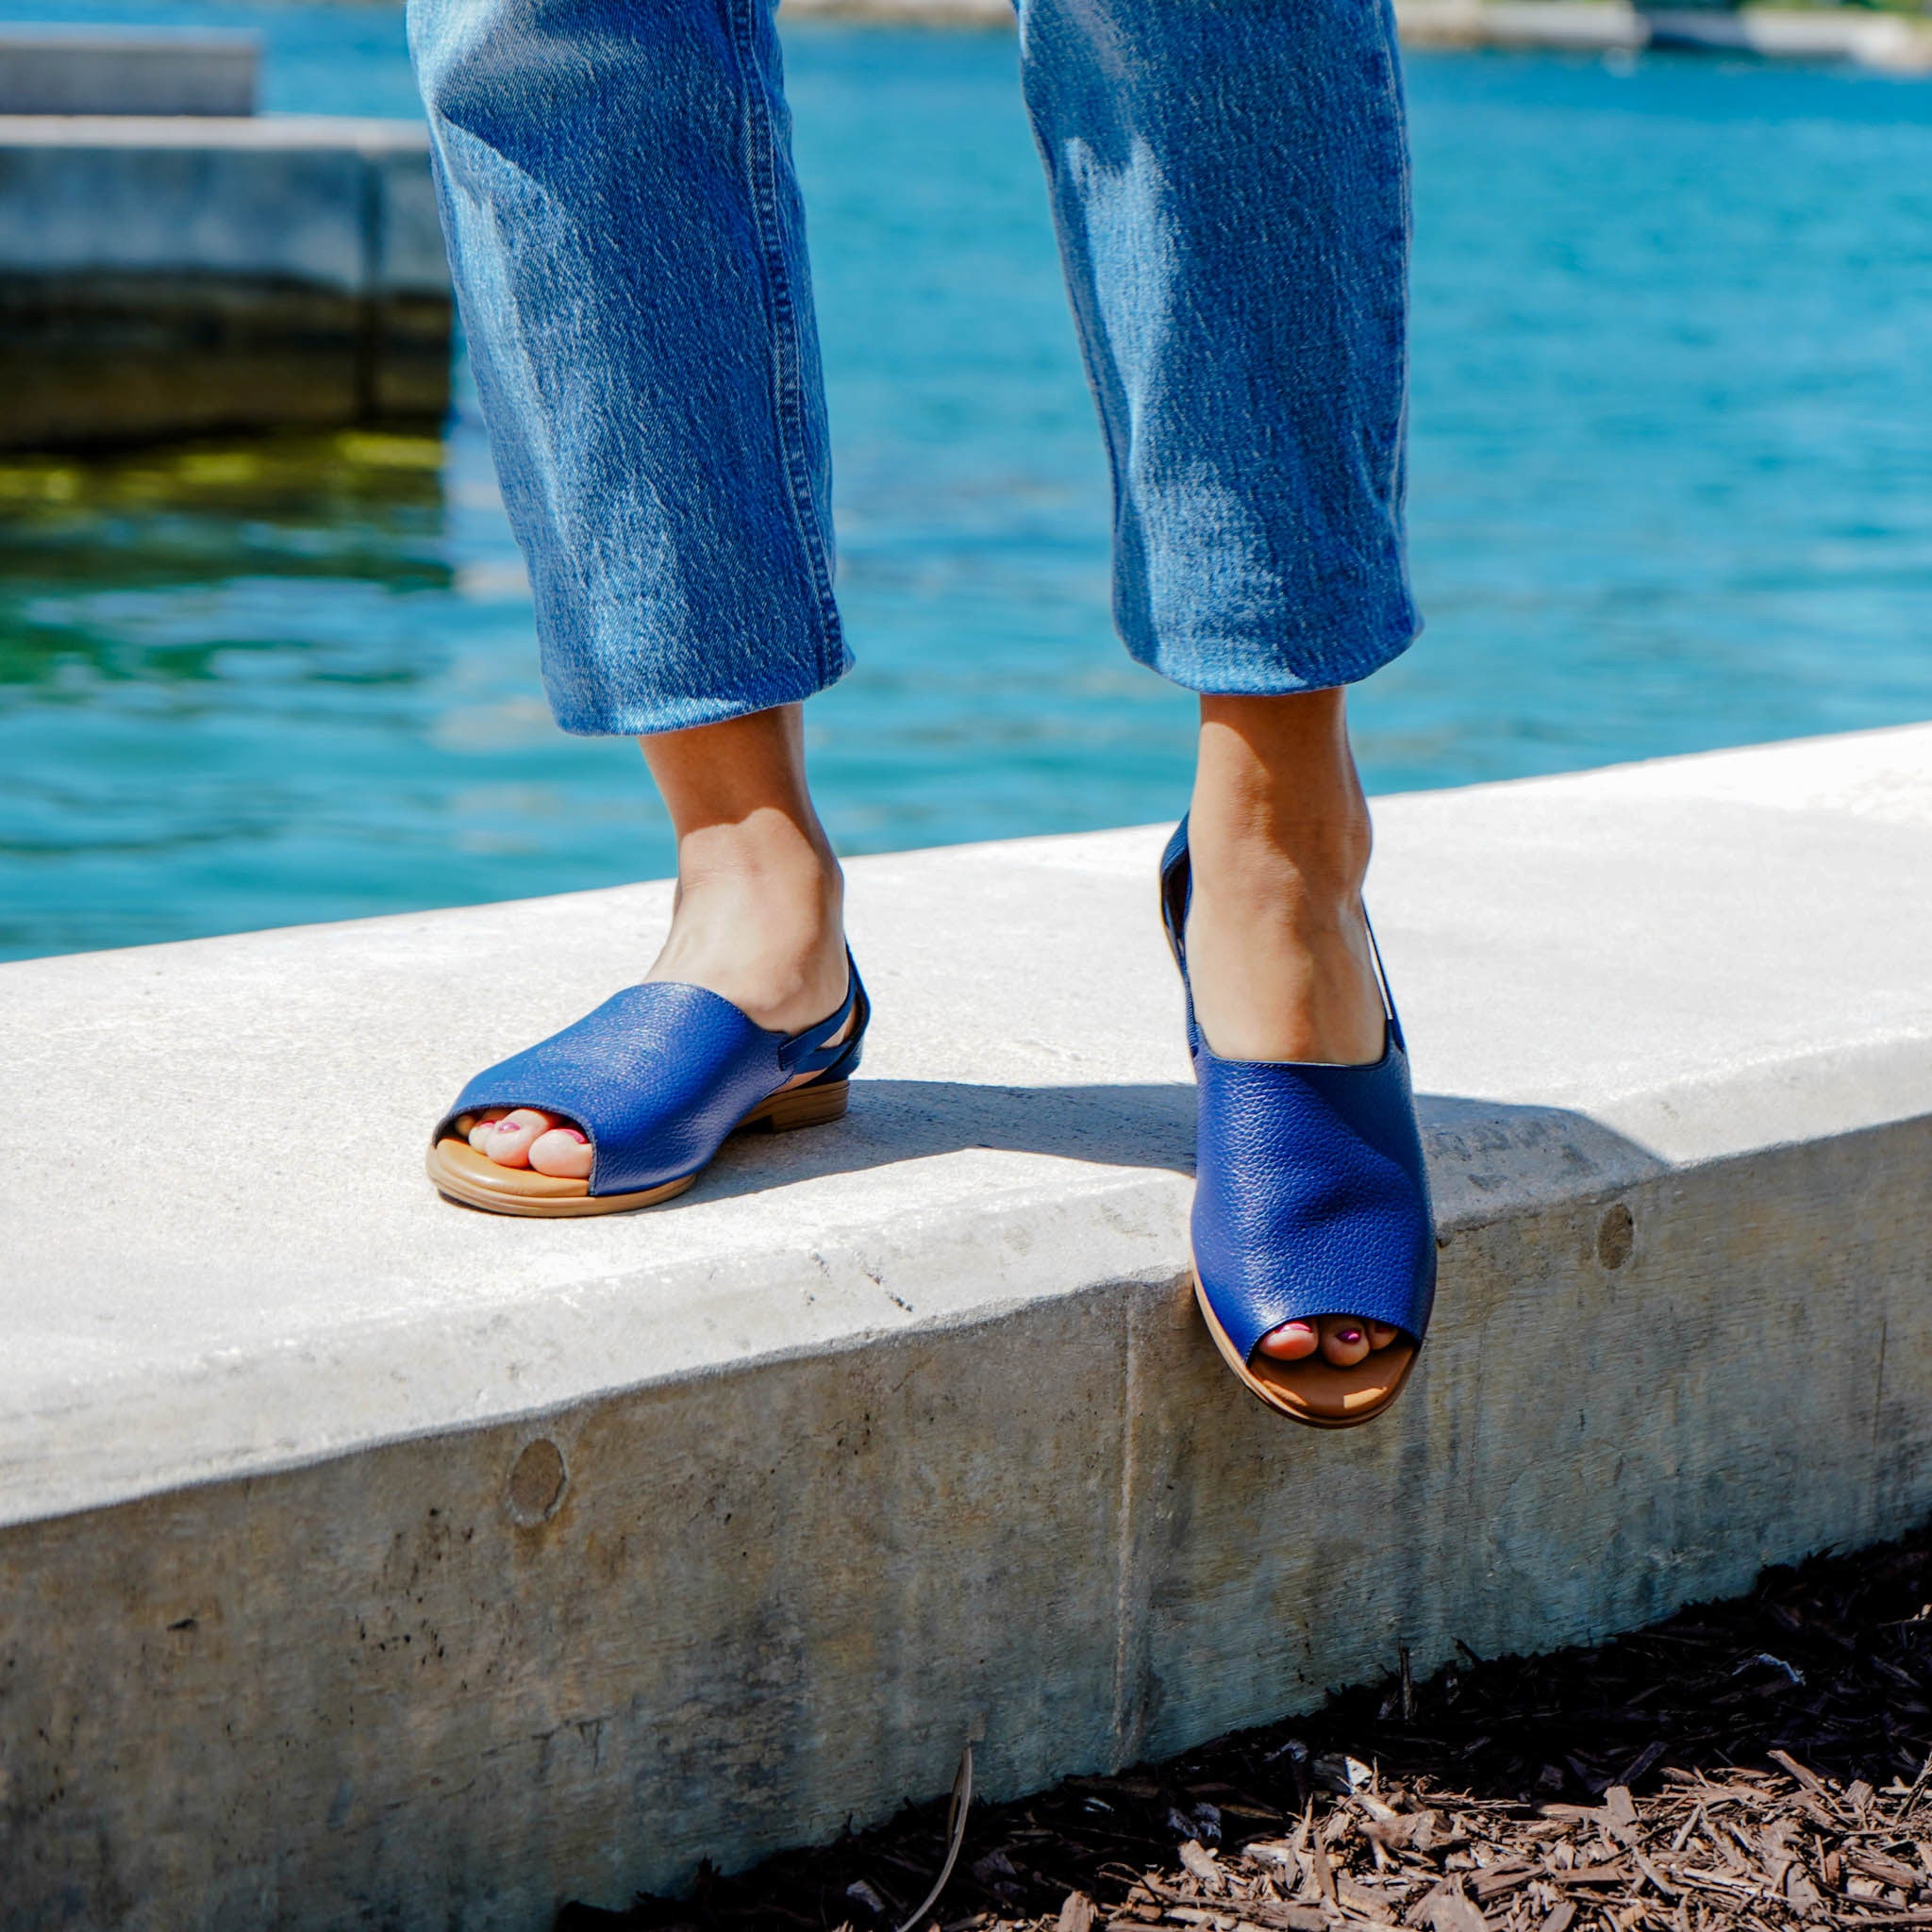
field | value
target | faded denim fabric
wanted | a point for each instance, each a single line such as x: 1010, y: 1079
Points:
x: 1229, y: 186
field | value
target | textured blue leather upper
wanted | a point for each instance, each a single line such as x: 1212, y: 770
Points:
x: 1311, y: 1197
x: 658, y: 1075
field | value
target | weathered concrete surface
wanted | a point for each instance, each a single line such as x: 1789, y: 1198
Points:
x: 65, y: 70
x: 160, y: 276
x: 904, y: 1431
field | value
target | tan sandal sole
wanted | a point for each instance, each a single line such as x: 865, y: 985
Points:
x: 463, y: 1173
x: 1321, y: 1395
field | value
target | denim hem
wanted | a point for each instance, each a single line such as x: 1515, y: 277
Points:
x: 648, y: 719
x: 1228, y: 667
x: 1229, y: 188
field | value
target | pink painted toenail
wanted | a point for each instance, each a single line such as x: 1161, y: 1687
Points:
x: 574, y: 1134
x: 506, y: 1128
x: 1348, y: 1335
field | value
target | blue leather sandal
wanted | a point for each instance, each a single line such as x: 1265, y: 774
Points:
x: 1310, y: 1199
x: 656, y: 1078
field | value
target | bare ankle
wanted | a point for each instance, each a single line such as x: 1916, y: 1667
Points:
x: 1310, y: 872
x: 1278, y: 809
x: 1280, y: 840
x: 766, y: 934
x: 760, y: 912
x: 766, y: 853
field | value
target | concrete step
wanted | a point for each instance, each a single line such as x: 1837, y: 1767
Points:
x: 167, y: 276
x: 69, y: 69
x: 1889, y: 42
x: 366, y: 1558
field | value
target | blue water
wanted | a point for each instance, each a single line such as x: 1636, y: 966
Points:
x: 1672, y: 450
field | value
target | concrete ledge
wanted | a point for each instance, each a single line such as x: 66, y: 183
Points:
x: 112, y: 70
x: 100, y: 360
x: 370, y: 1557
x: 160, y: 276
x: 1886, y: 41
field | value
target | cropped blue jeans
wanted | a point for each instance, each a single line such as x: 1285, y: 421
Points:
x: 1229, y: 182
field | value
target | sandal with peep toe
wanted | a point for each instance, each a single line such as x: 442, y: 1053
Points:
x: 1311, y: 1199
x: 657, y: 1079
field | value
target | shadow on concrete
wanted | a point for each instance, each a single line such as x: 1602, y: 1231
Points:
x: 1484, y: 1146
x: 1148, y: 1125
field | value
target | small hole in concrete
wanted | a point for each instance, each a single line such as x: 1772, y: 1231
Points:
x: 1616, y: 1234
x: 536, y: 1481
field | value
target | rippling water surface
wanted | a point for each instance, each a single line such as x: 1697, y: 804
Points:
x: 1670, y: 492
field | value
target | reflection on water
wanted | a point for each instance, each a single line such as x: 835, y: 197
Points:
x: 203, y: 654
x: 1672, y: 448
x: 111, y: 563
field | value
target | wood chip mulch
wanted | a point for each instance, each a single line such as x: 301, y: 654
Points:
x: 1760, y: 1764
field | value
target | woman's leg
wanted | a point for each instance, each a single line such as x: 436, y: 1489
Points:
x: 1279, y: 949
x: 1229, y: 184
x: 629, y: 259
x: 628, y: 252
x: 758, y: 915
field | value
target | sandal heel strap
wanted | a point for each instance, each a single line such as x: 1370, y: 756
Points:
x: 817, y: 1048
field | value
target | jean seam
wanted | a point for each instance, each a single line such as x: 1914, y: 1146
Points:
x: 786, y: 356
x: 1387, y: 49
x: 1087, y: 333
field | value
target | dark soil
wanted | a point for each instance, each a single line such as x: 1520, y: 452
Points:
x: 1761, y: 1763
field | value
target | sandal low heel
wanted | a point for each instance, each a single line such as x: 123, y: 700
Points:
x: 803, y: 1107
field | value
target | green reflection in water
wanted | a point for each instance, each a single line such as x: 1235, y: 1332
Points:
x: 251, y: 682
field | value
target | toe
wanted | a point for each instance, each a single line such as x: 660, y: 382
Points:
x: 509, y: 1143
x: 1344, y: 1340
x: 563, y: 1152
x: 481, y: 1125
x: 1291, y: 1341
x: 1381, y: 1335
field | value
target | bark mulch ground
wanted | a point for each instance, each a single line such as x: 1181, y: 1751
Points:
x: 1761, y: 1763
